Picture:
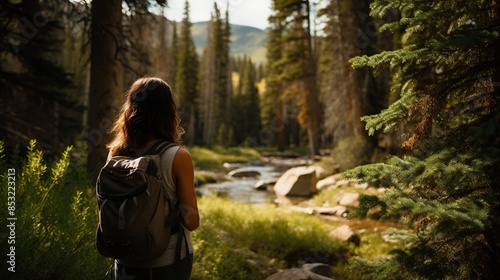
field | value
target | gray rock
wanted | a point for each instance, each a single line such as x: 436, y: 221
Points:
x: 349, y: 199
x: 263, y: 184
x: 318, y: 268
x: 338, y: 210
x: 343, y: 183
x: 240, y: 173
x: 320, y: 171
x: 325, y: 183
x: 345, y: 233
x: 298, y: 181
x: 362, y: 186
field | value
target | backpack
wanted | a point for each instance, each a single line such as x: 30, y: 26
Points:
x: 131, y: 200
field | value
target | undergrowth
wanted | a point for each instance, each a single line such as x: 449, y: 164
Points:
x: 56, y: 218
x: 255, y: 241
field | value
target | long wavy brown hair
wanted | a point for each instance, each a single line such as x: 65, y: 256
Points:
x: 149, y: 112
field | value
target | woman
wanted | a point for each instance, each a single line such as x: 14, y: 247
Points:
x: 149, y: 115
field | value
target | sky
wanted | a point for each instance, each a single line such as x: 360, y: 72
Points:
x: 242, y: 12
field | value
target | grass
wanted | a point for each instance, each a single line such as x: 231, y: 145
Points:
x: 204, y: 177
x: 250, y: 242
x: 214, y: 158
x: 57, y: 217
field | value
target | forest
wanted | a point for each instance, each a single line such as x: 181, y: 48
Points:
x: 402, y: 94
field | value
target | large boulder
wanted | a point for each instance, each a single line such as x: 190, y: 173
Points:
x: 297, y: 181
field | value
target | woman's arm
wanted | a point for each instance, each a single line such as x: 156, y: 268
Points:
x: 183, y: 173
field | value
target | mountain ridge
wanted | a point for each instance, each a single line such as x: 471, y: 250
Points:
x: 245, y: 40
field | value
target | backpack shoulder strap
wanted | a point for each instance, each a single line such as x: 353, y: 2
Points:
x: 159, y: 147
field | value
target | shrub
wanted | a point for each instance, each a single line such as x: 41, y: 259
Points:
x: 56, y: 218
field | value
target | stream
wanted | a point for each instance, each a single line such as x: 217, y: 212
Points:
x: 242, y: 189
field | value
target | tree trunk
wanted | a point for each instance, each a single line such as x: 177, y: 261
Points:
x: 106, y: 78
x: 312, y: 98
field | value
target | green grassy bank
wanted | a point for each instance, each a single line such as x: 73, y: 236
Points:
x: 56, y: 218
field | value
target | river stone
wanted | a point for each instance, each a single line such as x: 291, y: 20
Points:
x: 296, y: 274
x: 297, y: 181
x: 318, y: 268
x: 307, y: 210
x: 320, y: 171
x: 362, y: 186
x: 343, y: 183
x: 325, y: 183
x: 345, y: 233
x: 338, y: 210
x: 241, y: 173
x: 349, y: 199
x: 263, y: 184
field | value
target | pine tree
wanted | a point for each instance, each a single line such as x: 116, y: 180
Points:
x: 299, y: 64
x: 246, y: 122
x: 216, y: 83
x: 37, y: 98
x: 346, y: 92
x: 445, y: 187
x: 106, y: 77
x: 106, y: 71
x: 186, y: 80
x: 272, y: 103
x: 172, y: 63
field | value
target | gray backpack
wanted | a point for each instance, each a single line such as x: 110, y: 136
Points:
x: 131, y: 198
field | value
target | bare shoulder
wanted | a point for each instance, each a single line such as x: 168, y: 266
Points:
x: 183, y: 153
x: 182, y: 156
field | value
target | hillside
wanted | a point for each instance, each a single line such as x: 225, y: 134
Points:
x: 244, y: 40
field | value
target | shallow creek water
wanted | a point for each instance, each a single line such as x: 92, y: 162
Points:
x: 242, y: 190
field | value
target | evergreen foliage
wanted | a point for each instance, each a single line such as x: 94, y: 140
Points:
x: 246, y: 122
x: 272, y: 103
x: 186, y: 80
x: 445, y: 187
x: 215, y: 86
x: 36, y: 97
x: 298, y: 64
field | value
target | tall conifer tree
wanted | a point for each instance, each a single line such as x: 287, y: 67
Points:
x: 299, y: 64
x: 346, y: 91
x: 172, y: 63
x: 272, y: 101
x: 215, y: 94
x: 186, y: 79
x: 246, y: 121
x: 446, y: 187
